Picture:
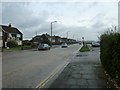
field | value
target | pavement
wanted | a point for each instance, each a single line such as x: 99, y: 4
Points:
x: 84, y: 71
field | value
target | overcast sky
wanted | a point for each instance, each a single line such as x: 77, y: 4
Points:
x: 79, y: 19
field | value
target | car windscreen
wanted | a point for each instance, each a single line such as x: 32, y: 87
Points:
x: 41, y: 45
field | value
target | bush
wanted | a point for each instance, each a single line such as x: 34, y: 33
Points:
x: 34, y: 44
x: 12, y: 43
x: 110, y: 54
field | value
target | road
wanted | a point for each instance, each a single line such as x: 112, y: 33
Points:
x: 28, y: 68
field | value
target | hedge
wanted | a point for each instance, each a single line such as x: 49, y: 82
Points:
x: 12, y: 43
x: 110, y: 54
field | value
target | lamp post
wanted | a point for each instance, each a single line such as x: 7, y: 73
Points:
x: 67, y: 33
x: 51, y: 31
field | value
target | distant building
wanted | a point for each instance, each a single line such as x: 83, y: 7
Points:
x: 37, y: 39
x: 58, y: 39
x: 64, y: 40
x: 44, y: 38
x: 10, y: 33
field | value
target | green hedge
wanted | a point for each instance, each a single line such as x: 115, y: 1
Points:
x: 110, y: 54
x: 12, y: 43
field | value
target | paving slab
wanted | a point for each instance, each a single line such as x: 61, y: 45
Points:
x: 84, y: 71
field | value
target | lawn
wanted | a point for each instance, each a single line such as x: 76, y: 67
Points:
x: 85, y: 48
x: 19, y: 48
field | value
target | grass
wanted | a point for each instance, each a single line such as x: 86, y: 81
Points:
x: 85, y: 48
x: 19, y: 48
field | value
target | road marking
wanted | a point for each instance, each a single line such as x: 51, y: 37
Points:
x: 47, y: 79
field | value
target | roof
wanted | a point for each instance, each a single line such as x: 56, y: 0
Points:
x: 58, y: 37
x: 47, y: 35
x: 12, y: 30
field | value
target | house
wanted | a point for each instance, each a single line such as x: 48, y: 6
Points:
x: 37, y: 39
x: 64, y: 40
x: 71, y: 41
x: 10, y: 33
x: 44, y: 38
x: 58, y: 40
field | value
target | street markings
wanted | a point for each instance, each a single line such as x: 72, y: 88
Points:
x: 47, y: 79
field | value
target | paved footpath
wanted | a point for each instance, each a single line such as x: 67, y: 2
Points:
x: 84, y: 71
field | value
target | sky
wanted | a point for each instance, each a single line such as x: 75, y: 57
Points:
x: 78, y: 19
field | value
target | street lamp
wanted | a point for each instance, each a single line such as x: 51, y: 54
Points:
x: 67, y: 33
x: 51, y: 31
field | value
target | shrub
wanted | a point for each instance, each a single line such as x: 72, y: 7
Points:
x: 110, y: 54
x: 12, y: 43
x: 34, y: 44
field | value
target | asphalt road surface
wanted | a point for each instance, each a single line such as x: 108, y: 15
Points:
x: 29, y: 68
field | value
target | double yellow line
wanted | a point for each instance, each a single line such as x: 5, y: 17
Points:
x: 45, y: 81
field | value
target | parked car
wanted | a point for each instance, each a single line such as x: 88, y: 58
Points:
x: 95, y: 44
x: 43, y: 47
x: 64, y: 45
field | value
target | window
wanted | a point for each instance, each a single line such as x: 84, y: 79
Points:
x: 10, y: 35
x: 18, y: 35
x: 0, y: 33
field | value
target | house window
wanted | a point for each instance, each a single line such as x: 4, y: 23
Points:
x: 13, y: 35
x: 18, y: 35
x: 0, y: 33
x: 10, y: 35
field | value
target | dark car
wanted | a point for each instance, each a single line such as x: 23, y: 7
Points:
x: 43, y: 47
x: 95, y: 44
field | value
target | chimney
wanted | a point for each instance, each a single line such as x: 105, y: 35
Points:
x: 10, y: 25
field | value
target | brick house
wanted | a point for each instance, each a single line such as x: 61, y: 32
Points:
x: 44, y: 38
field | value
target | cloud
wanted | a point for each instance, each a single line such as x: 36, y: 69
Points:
x: 93, y: 4
x: 80, y: 19
x: 22, y: 17
x: 18, y: 14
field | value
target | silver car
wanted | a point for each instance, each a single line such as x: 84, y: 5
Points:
x: 43, y: 47
x: 64, y: 45
x: 95, y: 44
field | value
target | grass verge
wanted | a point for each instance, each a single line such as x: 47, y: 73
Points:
x: 85, y: 48
x: 19, y: 48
